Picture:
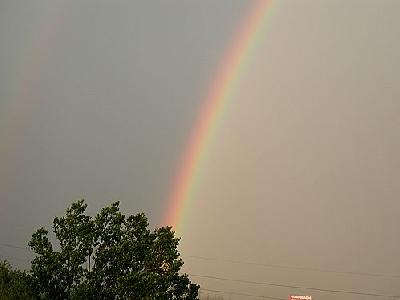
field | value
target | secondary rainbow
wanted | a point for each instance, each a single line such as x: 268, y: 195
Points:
x: 220, y: 92
x: 17, y: 109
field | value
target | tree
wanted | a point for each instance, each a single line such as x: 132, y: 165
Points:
x: 108, y: 256
x: 14, y: 284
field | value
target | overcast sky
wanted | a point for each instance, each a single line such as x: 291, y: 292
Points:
x: 98, y: 97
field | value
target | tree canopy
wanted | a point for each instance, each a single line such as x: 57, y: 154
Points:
x: 14, y: 284
x: 108, y: 256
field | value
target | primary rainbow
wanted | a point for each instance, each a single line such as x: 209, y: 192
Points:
x: 220, y: 92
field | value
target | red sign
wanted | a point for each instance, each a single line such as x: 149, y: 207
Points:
x: 300, y: 298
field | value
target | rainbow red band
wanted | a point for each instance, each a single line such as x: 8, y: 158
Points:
x: 220, y: 92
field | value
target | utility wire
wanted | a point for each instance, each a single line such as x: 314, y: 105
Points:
x: 11, y: 257
x: 14, y: 246
x: 296, y: 287
x: 234, y: 261
x: 14, y: 258
x: 241, y: 294
x: 262, y: 265
x: 352, y: 273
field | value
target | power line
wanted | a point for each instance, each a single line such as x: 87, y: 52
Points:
x: 296, y: 287
x: 11, y: 257
x: 14, y: 258
x: 14, y: 246
x: 258, y: 282
x: 310, y: 269
x: 242, y: 294
x: 234, y: 261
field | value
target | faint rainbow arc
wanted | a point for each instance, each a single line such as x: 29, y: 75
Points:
x: 19, y: 107
x: 220, y: 92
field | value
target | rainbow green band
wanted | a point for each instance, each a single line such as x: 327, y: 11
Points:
x: 220, y: 93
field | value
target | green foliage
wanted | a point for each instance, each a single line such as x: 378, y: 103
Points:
x: 110, y: 256
x: 14, y: 284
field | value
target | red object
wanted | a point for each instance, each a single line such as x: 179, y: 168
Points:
x: 300, y: 297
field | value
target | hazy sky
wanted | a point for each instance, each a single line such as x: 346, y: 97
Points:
x: 98, y: 97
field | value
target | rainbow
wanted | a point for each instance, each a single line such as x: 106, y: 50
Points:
x: 220, y: 92
x: 17, y: 110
